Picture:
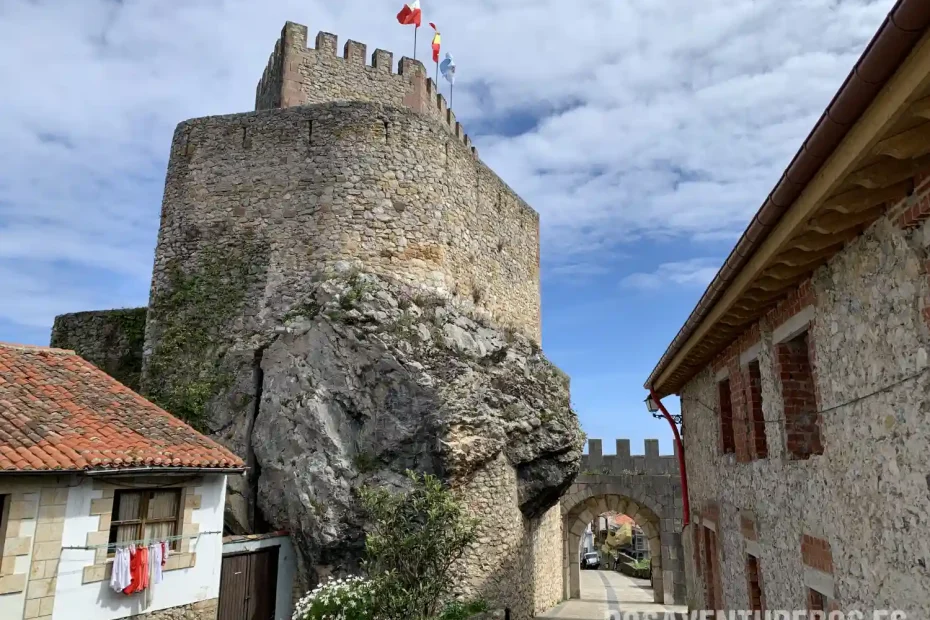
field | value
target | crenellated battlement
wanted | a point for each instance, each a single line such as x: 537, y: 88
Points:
x: 298, y: 75
x: 651, y: 462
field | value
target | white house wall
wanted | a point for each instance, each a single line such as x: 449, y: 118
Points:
x: 74, y: 598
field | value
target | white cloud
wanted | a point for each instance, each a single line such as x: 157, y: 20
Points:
x: 656, y: 119
x: 694, y: 273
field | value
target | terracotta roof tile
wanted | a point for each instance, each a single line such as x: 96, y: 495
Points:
x: 59, y: 412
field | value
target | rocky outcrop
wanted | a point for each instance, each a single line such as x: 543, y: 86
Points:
x: 367, y: 378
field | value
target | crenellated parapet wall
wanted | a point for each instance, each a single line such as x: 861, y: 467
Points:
x: 651, y: 462
x: 299, y: 75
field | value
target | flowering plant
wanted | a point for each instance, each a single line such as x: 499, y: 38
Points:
x: 341, y: 599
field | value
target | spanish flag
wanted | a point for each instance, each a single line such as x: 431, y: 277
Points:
x: 410, y: 14
x: 435, y: 43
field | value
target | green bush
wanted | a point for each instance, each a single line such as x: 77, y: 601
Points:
x: 413, y: 542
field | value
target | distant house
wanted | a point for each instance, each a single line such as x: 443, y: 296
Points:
x: 88, y: 466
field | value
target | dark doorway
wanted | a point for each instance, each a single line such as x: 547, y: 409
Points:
x: 248, y: 582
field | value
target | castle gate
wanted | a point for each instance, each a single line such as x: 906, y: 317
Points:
x: 644, y: 487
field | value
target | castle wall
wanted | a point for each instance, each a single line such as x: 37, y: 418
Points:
x: 111, y: 340
x: 298, y: 75
x: 315, y: 185
x: 651, y: 462
x: 848, y: 520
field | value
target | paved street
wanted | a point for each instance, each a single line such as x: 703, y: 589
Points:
x: 605, y: 594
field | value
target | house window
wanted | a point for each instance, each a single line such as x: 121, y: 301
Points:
x: 727, y: 440
x: 755, y: 583
x: 756, y: 417
x: 145, y: 515
x: 802, y: 421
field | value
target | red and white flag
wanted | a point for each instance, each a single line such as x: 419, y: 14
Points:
x: 410, y: 14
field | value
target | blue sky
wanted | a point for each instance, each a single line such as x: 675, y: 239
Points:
x: 645, y: 133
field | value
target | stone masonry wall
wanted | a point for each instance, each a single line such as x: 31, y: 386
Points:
x: 838, y: 504
x: 547, y: 560
x: 516, y: 562
x: 34, y: 519
x: 309, y: 186
x: 298, y: 75
x: 203, y: 610
x: 111, y: 340
x: 596, y: 462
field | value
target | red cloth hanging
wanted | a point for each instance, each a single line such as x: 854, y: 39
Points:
x: 138, y: 570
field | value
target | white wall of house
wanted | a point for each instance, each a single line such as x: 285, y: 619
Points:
x: 74, y: 599
x: 287, y: 568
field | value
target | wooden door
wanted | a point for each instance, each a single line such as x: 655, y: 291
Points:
x: 247, y: 585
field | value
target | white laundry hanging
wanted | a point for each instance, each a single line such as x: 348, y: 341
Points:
x: 120, y: 577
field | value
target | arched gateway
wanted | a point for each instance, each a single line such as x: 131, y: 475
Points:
x: 648, y: 489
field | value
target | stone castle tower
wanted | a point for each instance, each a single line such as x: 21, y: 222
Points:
x: 357, y: 163
x: 349, y: 168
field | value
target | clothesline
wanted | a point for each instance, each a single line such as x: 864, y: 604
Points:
x: 144, y: 541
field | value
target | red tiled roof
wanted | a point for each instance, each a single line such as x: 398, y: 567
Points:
x: 59, y: 412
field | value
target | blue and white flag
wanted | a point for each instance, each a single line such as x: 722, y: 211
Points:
x: 447, y: 68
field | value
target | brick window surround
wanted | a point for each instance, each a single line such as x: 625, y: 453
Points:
x: 794, y: 368
x: 754, y: 583
x: 727, y: 434
x: 817, y: 558
x: 816, y: 554
x: 758, y: 441
x: 711, y: 566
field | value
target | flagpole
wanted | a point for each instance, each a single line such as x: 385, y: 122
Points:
x: 415, y: 41
x: 451, y: 86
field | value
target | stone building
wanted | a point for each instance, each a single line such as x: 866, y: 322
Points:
x: 342, y: 290
x: 803, y: 371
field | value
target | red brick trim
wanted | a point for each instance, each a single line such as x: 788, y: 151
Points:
x: 755, y: 417
x: 795, y: 368
x: 754, y: 584
x: 816, y: 554
x: 738, y: 413
x: 711, y: 512
x: 748, y: 527
x: 743, y: 343
x: 791, y: 305
x: 726, y: 422
x: 916, y: 207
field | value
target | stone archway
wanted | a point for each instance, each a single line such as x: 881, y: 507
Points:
x: 576, y: 518
x: 651, y: 502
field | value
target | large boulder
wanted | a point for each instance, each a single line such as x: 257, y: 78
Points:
x: 368, y: 378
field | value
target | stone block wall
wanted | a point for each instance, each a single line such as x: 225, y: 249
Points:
x: 201, y: 610
x: 31, y: 526
x: 111, y: 340
x: 515, y: 562
x: 258, y: 204
x: 829, y: 510
x: 651, y: 462
x: 298, y: 75
x: 547, y: 560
